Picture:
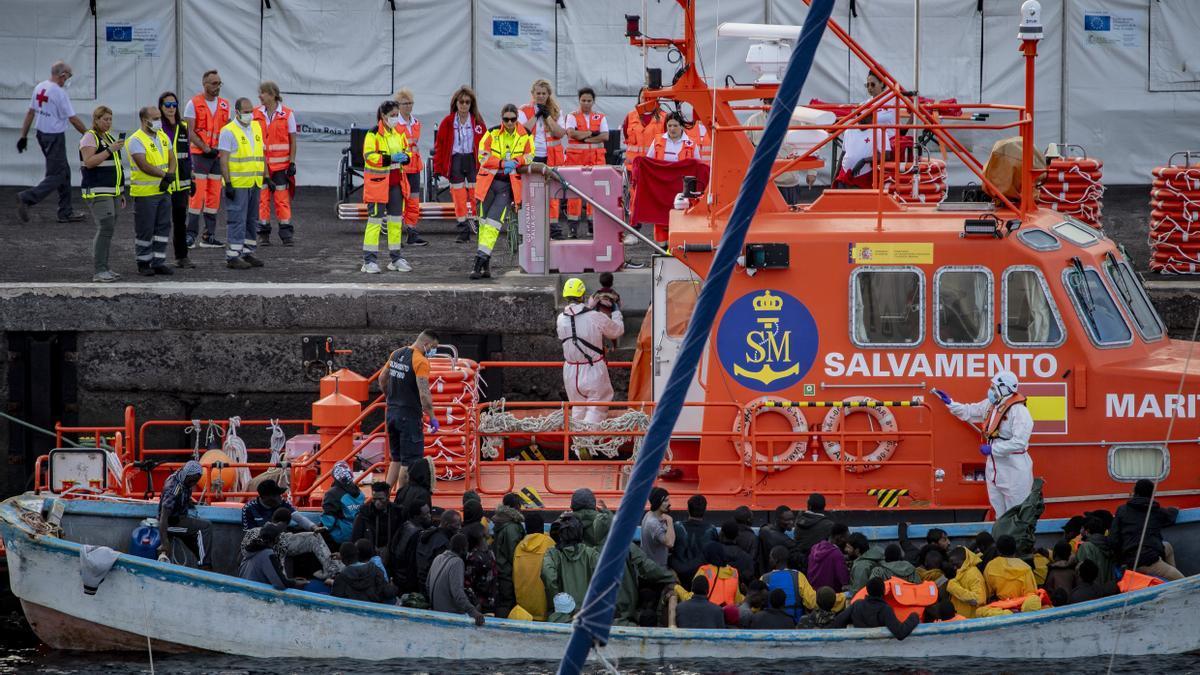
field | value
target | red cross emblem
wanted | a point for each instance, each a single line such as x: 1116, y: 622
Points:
x: 41, y: 97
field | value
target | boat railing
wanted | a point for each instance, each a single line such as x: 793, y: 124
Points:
x: 96, y: 432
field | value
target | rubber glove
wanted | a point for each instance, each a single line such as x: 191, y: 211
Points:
x: 434, y: 424
x: 400, y: 158
x: 291, y: 170
x: 944, y: 396
x: 192, y: 189
x: 985, y: 449
x: 229, y: 192
x: 22, y: 143
x: 510, y: 165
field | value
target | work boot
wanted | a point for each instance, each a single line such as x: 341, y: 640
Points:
x: 254, y: 262
x: 464, y: 235
x: 145, y: 270
x: 487, y: 267
x: 264, y: 239
x: 72, y: 217
x: 237, y: 264
x: 184, y: 263
x: 414, y: 238
x: 477, y: 273
x: 573, y: 229
x: 210, y: 241
x: 289, y: 242
x: 162, y: 270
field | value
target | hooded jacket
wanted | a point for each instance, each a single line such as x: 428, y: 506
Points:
x: 827, y: 566
x: 596, y: 525
x: 1061, y: 574
x: 430, y: 545
x: 640, y: 571
x: 1096, y: 549
x: 419, y: 488
x: 262, y: 565
x: 1009, y: 578
x: 377, y: 525
x: 528, y: 587
x: 509, y: 530
x: 1126, y: 531
x: 363, y: 581
x: 968, y: 584
x: 769, y: 536
x: 569, y: 570
x: 863, y: 567
x: 339, y: 508
x: 874, y: 613
x: 811, y: 528
x: 403, y: 558
x: 901, y: 569
x: 690, y: 538
x: 447, y: 586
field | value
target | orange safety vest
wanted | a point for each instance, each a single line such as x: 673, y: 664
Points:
x: 703, y: 140
x: 278, y: 139
x: 1136, y: 581
x: 638, y: 136
x: 379, y: 142
x: 658, y: 149
x: 1015, y: 603
x: 412, y: 131
x: 490, y: 160
x: 553, y: 152
x: 721, y: 592
x: 208, y: 126
x: 585, y: 154
x: 905, y: 598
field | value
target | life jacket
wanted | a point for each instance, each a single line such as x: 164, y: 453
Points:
x: 209, y: 125
x: 721, y: 591
x: 997, y: 413
x: 637, y: 142
x: 246, y: 161
x: 105, y: 179
x: 412, y: 132
x: 378, y: 147
x: 553, y: 152
x: 580, y: 153
x: 142, y: 184
x: 1136, y: 581
x: 658, y: 149
x: 789, y: 581
x: 586, y: 348
x: 703, y: 140
x: 496, y: 147
x: 905, y: 598
x: 278, y: 139
x: 1021, y: 603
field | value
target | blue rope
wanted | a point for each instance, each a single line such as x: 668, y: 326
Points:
x: 594, y: 622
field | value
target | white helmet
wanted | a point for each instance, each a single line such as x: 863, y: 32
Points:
x: 1004, y: 384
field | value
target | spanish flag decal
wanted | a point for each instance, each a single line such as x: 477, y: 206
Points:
x: 1047, y: 404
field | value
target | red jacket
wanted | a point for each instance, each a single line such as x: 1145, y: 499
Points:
x: 443, y: 143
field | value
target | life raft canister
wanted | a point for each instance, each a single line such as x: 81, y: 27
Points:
x: 796, y: 449
x: 832, y: 424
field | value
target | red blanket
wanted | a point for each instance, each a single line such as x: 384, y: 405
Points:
x: 657, y: 182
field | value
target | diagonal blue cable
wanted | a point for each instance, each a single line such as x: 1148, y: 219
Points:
x: 594, y: 621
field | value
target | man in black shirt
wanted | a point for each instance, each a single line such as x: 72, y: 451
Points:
x: 405, y: 383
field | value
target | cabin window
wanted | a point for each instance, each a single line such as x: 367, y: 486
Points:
x: 681, y: 301
x: 1039, y: 240
x: 1133, y: 296
x: 1077, y: 233
x: 1030, y: 317
x: 963, y: 307
x: 1131, y: 463
x: 1096, y: 309
x: 887, y: 306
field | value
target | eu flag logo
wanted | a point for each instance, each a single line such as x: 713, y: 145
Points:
x: 1097, y: 22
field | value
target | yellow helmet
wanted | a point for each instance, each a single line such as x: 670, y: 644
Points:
x: 574, y: 288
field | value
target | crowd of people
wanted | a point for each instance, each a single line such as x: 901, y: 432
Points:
x: 802, y: 569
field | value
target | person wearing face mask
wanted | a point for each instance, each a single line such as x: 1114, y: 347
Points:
x: 498, y: 186
x: 410, y: 126
x: 243, y: 168
x: 152, y: 160
x: 206, y: 114
x: 102, y: 178
x: 279, y: 123
x: 1007, y: 426
x: 385, y: 189
x: 52, y: 108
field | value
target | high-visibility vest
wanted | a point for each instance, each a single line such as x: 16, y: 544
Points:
x: 658, y: 149
x: 246, y: 162
x: 412, y: 134
x: 496, y: 147
x: 183, y: 159
x: 209, y: 125
x: 703, y: 140
x: 105, y: 179
x: 381, y: 143
x: 553, y: 152
x: 279, y: 146
x: 580, y: 153
x: 142, y: 184
x: 639, y: 137
x: 720, y: 591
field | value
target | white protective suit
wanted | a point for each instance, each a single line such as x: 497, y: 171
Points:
x: 1009, y: 468
x: 585, y: 373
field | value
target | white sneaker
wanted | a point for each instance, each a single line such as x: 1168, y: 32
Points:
x: 399, y: 265
x: 105, y: 277
x: 629, y: 239
x: 370, y: 268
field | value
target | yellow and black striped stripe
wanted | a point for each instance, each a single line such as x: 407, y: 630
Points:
x: 888, y: 498
x: 531, y: 497
x: 843, y: 404
x: 533, y: 454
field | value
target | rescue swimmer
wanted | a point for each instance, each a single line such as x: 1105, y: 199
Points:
x: 582, y: 329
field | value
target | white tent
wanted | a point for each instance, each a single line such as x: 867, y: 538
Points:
x: 1119, y: 77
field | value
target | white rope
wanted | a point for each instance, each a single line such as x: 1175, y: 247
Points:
x: 278, y: 442
x: 235, y: 447
x: 497, y: 420
x: 196, y: 430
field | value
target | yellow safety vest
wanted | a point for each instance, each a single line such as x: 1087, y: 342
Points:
x: 142, y: 184
x: 246, y: 164
x: 104, y: 180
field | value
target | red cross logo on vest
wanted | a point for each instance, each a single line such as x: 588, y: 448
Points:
x: 41, y: 97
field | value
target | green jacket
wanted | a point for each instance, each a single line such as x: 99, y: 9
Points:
x: 901, y: 569
x: 569, y: 571
x: 639, y: 570
x: 595, y: 525
x: 1096, y: 550
x: 509, y: 531
x: 861, y: 568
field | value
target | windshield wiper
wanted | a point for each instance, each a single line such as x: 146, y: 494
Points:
x: 1085, y: 298
x: 1118, y: 276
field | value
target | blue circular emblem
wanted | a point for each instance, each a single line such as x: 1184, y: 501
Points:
x: 767, y: 340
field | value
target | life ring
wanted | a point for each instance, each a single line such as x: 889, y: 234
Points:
x: 832, y: 424
x: 1068, y: 163
x: 795, y: 451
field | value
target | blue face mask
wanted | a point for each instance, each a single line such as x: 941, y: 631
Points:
x: 993, y: 395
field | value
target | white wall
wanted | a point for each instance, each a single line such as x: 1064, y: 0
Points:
x: 1129, y: 95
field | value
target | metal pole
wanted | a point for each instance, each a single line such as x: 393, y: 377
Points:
x: 624, y: 225
x: 916, y: 49
x: 1029, y: 47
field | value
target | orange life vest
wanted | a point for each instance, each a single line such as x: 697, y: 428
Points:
x: 639, y: 136
x: 721, y: 592
x: 278, y: 139
x: 412, y: 130
x: 702, y: 138
x: 580, y: 153
x: 658, y: 149
x: 553, y: 152
x: 208, y: 125
x: 491, y: 158
x: 997, y: 413
x: 381, y: 142
x: 905, y: 598
x: 1136, y: 581
x: 1015, y: 603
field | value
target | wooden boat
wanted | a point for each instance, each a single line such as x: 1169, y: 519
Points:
x: 179, y: 609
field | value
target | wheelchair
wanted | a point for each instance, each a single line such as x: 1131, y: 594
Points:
x: 435, y: 201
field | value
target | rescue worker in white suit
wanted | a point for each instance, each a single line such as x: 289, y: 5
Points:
x: 582, y: 330
x: 1006, y: 426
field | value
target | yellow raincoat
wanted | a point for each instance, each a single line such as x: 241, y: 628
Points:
x: 968, y: 585
x: 1010, y: 578
x: 527, y: 574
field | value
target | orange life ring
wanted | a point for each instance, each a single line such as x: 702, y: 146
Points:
x: 832, y: 424
x: 796, y: 449
x: 1068, y: 163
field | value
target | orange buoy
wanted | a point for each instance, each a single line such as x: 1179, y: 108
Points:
x: 347, y: 382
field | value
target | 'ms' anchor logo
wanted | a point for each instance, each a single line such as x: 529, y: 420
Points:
x: 767, y: 340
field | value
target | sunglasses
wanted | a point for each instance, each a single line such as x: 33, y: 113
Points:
x: 509, y: 119
x: 170, y: 104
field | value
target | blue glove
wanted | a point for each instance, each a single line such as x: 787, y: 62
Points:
x: 400, y: 158
x: 944, y: 396
x: 985, y: 449
x: 510, y: 165
x: 434, y: 424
